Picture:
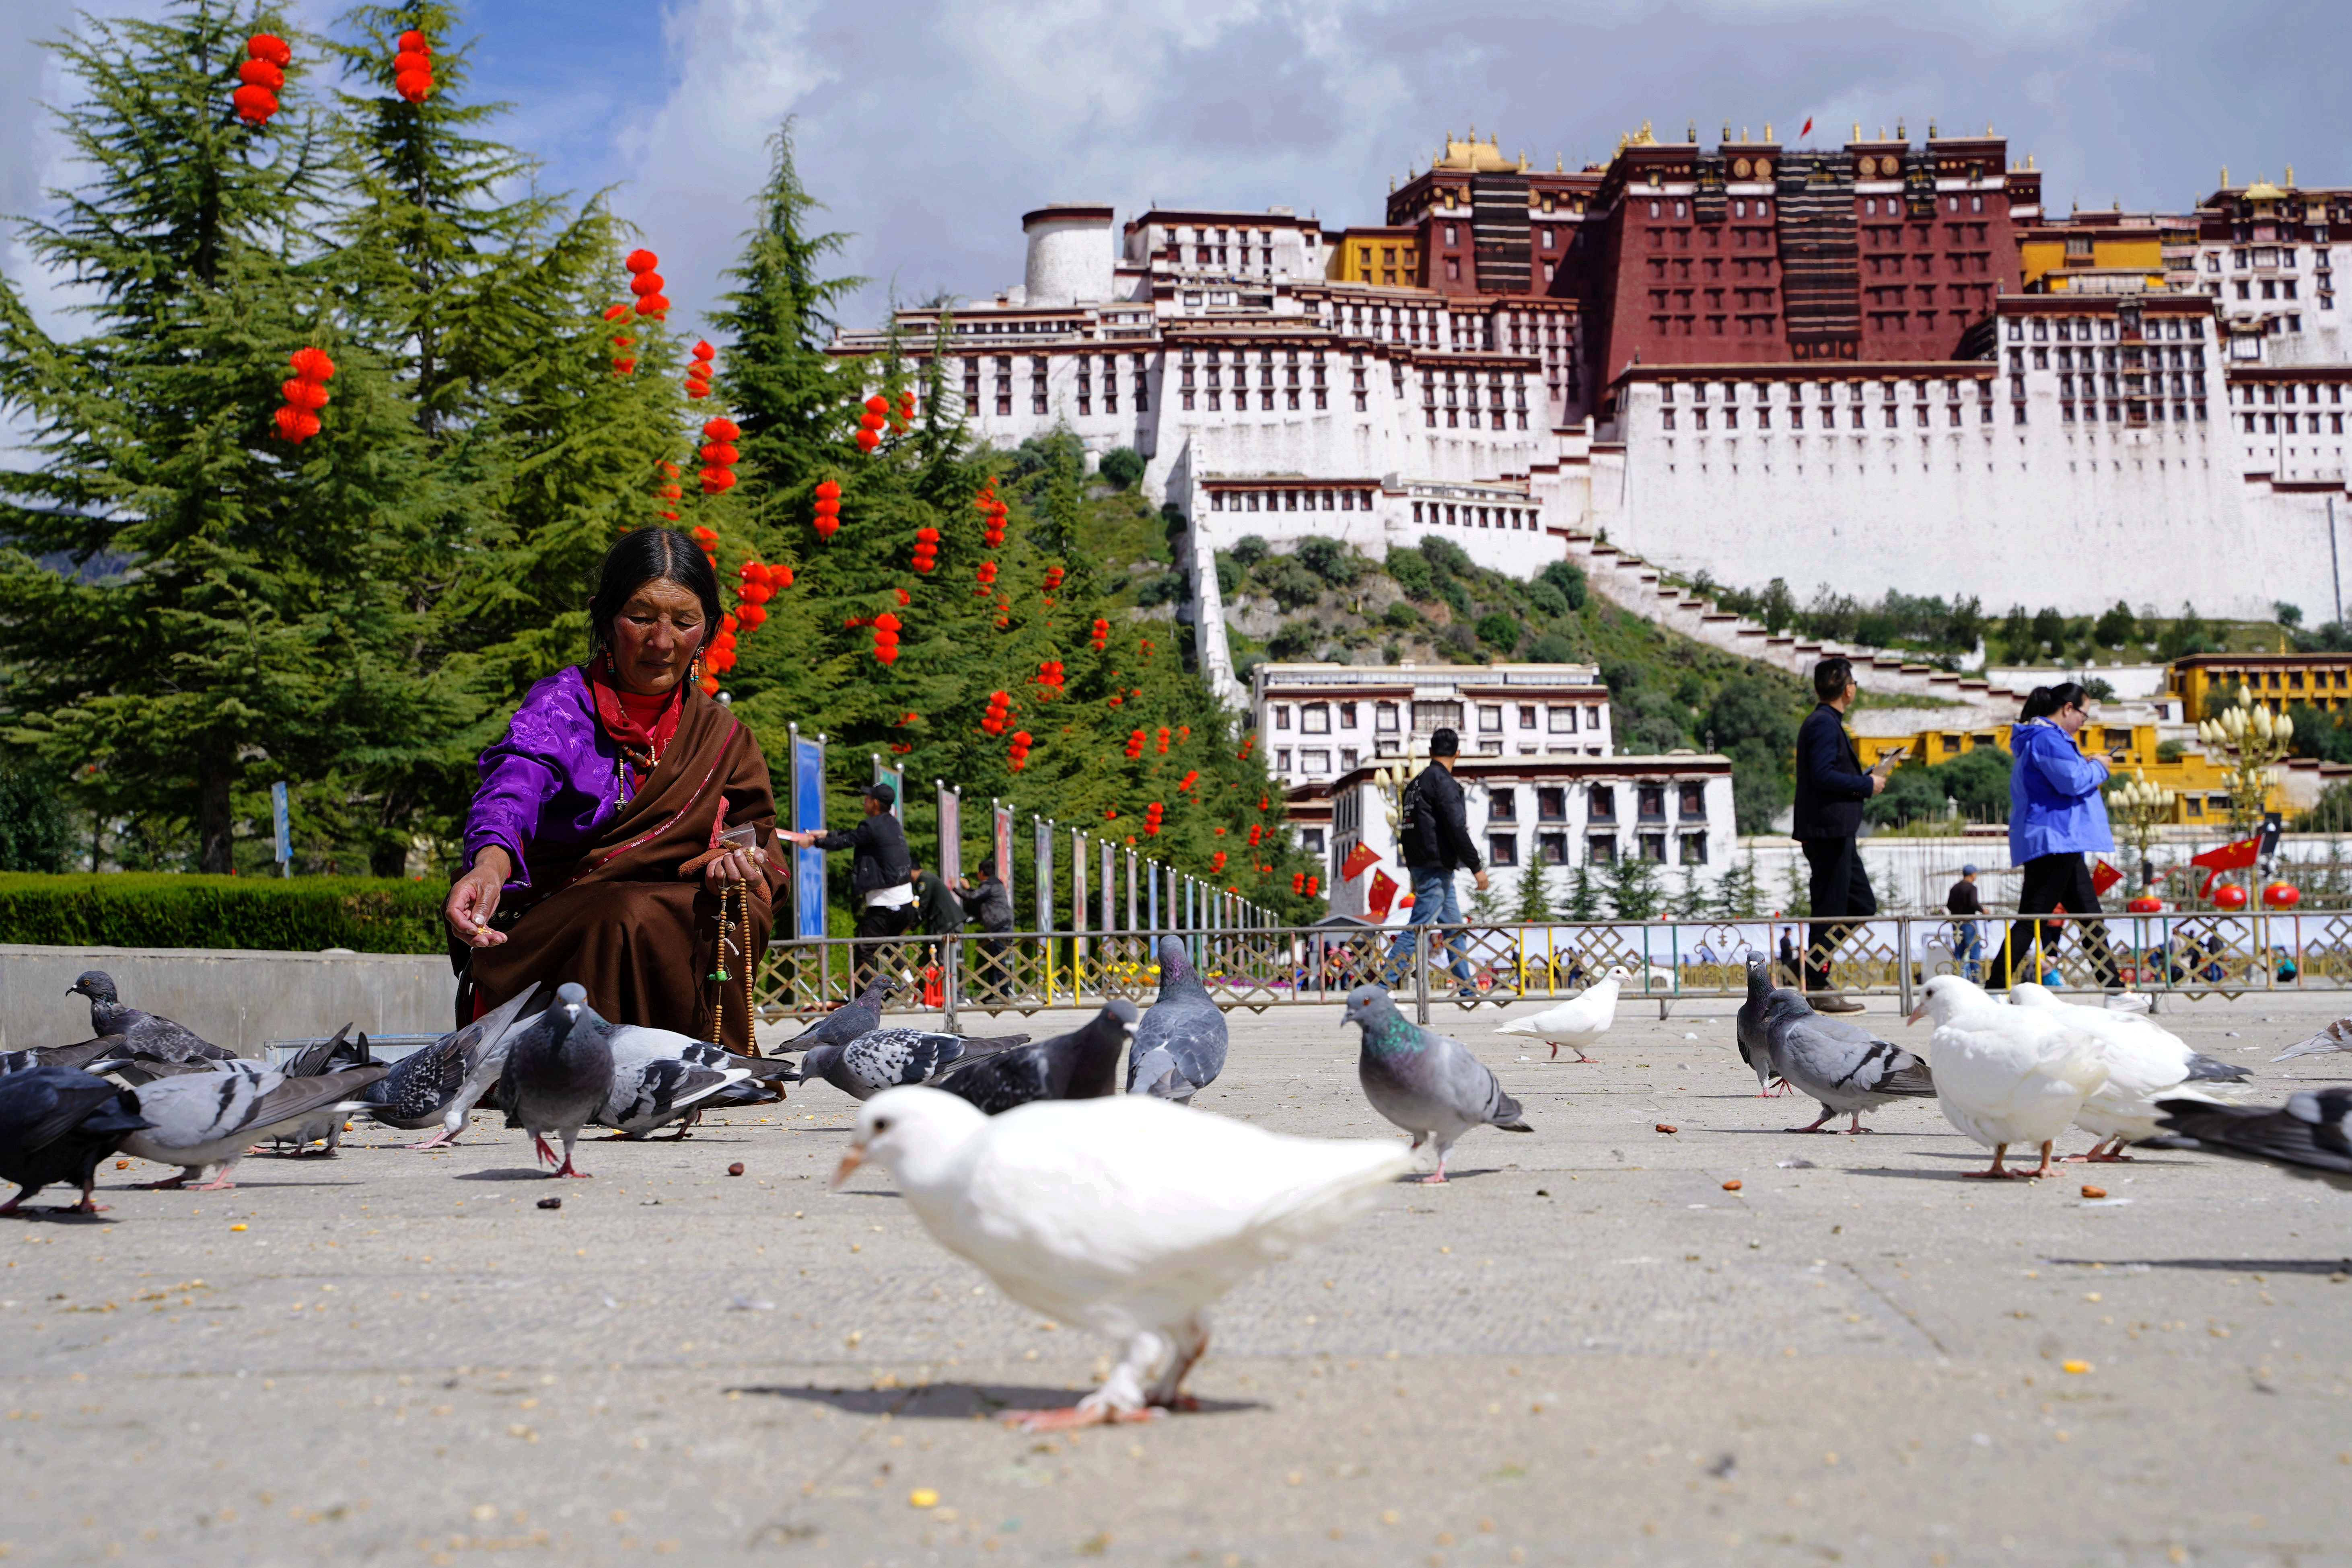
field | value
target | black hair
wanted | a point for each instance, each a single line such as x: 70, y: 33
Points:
x: 988, y: 865
x: 2043, y: 701
x: 1444, y: 742
x: 651, y: 555
x: 1830, y: 677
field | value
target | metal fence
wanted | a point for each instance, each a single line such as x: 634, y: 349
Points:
x: 2184, y: 955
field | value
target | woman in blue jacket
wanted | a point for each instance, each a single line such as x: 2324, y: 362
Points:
x: 2056, y: 814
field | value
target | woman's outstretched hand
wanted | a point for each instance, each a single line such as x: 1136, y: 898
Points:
x: 475, y: 898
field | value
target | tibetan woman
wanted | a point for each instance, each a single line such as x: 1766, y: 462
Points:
x: 619, y: 836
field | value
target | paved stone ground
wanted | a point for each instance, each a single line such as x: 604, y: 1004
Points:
x: 1583, y: 1351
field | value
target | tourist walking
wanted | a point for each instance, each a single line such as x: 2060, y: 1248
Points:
x: 1832, y: 785
x: 1434, y: 843
x: 879, y: 869
x: 990, y: 903
x: 2056, y: 815
x: 1963, y: 902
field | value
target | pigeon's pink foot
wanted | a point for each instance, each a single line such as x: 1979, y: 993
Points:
x: 565, y: 1170
x: 1436, y: 1178
x: 1072, y: 1417
x: 545, y: 1153
x: 440, y: 1140
x: 84, y: 1207
x: 220, y: 1183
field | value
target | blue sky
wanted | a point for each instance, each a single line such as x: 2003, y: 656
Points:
x: 928, y: 129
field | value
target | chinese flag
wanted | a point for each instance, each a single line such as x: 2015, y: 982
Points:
x: 1381, y: 895
x: 2103, y: 877
x: 1358, y: 858
x: 1808, y: 131
x: 2229, y: 857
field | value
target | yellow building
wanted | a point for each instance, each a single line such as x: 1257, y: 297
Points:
x: 1384, y: 257
x: 2206, y: 682
x: 2201, y: 787
x: 2103, y: 253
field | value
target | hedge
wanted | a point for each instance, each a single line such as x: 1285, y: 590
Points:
x: 158, y: 909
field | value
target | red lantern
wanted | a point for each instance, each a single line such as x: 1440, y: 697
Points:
x: 1298, y: 881
x: 926, y: 549
x: 2282, y: 895
x: 1163, y: 740
x: 271, y: 47
x: 2146, y: 904
x: 828, y: 508
x: 1314, y: 886
x: 1217, y: 861
x: 641, y: 261
x: 1189, y: 780
x: 412, y: 67
x: 1053, y: 578
x: 2230, y: 896
x: 1101, y: 638
x: 867, y: 440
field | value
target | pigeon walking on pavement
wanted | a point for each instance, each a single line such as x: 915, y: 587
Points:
x: 1578, y: 1022
x: 2005, y: 1075
x: 56, y: 1125
x: 846, y: 1023
x: 558, y: 1073
x: 1428, y: 1084
x: 327, y: 1125
x: 2145, y: 1061
x: 1080, y: 1065
x: 889, y: 1058
x: 661, y: 1076
x: 443, y: 1081
x: 2337, y: 1036
x: 2310, y: 1135
x: 135, y: 1033
x: 1844, y: 1066
x: 197, y: 1120
x: 1179, y: 1048
x: 1755, y: 1044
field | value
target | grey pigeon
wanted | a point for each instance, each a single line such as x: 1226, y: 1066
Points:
x: 443, y: 1081
x: 1080, y: 1065
x: 661, y: 1076
x: 849, y: 1021
x: 1430, y: 1085
x: 81, y: 1055
x: 886, y: 1058
x: 1755, y: 1048
x: 312, y: 1060
x: 558, y: 1073
x: 136, y: 1033
x: 1842, y: 1065
x: 201, y: 1119
x: 1181, y: 1046
x: 2310, y: 1135
x: 56, y: 1125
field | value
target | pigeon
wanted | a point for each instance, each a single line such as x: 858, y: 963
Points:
x: 1575, y: 1023
x: 1181, y: 1046
x: 200, y: 1119
x: 1755, y: 1048
x: 661, y: 1076
x: 136, y: 1033
x: 312, y: 1060
x: 81, y: 1055
x: 2144, y: 1060
x: 558, y: 1073
x: 56, y: 1125
x: 2311, y: 1135
x: 2337, y: 1036
x: 1125, y: 1214
x: 846, y: 1023
x: 886, y: 1058
x: 443, y: 1081
x: 1842, y: 1065
x: 1426, y: 1083
x: 2005, y: 1075
x: 1080, y: 1065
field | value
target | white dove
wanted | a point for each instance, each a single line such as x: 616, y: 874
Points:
x: 1575, y: 1023
x: 1127, y: 1213
x: 2005, y: 1075
x: 2145, y: 1061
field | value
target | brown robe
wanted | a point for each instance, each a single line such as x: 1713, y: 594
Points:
x: 618, y: 918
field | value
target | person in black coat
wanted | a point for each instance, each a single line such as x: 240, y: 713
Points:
x: 990, y: 903
x: 880, y: 877
x: 1832, y: 785
x: 1434, y: 842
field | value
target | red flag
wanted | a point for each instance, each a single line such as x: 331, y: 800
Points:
x: 1358, y: 858
x: 2229, y: 857
x: 1808, y: 131
x: 2103, y: 877
x: 1382, y: 893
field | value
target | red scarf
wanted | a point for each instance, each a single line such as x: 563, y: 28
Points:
x: 641, y: 723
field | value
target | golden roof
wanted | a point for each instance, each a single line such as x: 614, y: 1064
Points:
x: 1476, y: 156
x: 2261, y: 190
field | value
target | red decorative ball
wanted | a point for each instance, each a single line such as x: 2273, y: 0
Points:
x: 867, y: 440
x: 2230, y: 896
x: 2282, y: 895
x: 2146, y: 904
x: 271, y: 47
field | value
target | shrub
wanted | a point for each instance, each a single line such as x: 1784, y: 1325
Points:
x: 1403, y: 617
x: 1745, y: 707
x: 1229, y: 575
x: 1122, y: 468
x: 1293, y: 586
x: 1330, y: 560
x: 1445, y: 557
x: 1295, y: 641
x: 2114, y: 628
x: 1499, y: 630
x: 1546, y: 599
x: 1249, y: 549
x: 1551, y: 648
x: 158, y: 909
x: 1567, y: 579
x: 1162, y: 589
x: 1411, y: 570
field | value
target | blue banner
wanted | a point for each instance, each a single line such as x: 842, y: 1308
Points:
x: 808, y: 817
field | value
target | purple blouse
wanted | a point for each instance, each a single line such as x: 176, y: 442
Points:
x: 553, y: 781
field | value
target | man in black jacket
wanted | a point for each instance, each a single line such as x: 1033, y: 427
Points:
x: 1434, y: 842
x: 880, y: 875
x: 1831, y: 789
x: 988, y: 902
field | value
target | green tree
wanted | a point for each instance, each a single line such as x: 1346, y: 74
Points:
x: 1566, y: 579
x: 1499, y: 630
x: 1583, y: 900
x: 2049, y: 629
x: 1633, y: 889
x: 1533, y: 905
x: 2115, y: 627
x: 1331, y: 559
x: 1122, y: 468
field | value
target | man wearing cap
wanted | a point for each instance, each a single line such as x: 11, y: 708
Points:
x: 1963, y: 901
x: 1433, y: 841
x: 879, y: 871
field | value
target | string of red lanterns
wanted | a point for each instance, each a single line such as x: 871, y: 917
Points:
x: 1217, y: 861
x: 828, y: 508
x: 412, y: 67
x: 697, y: 371
x: 902, y: 412
x: 1018, y: 753
x: 668, y: 492
x: 926, y: 549
x: 1000, y: 712
x: 647, y: 284
x: 305, y: 395
x: 1050, y: 676
x: 886, y: 638
x: 986, y: 577
x: 1054, y: 576
x: 1151, y: 815
x: 1135, y: 745
x: 719, y: 455
x: 870, y: 422
x: 1101, y: 638
x: 991, y: 515
x: 1163, y: 740
x: 623, y: 363
x: 261, y: 78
